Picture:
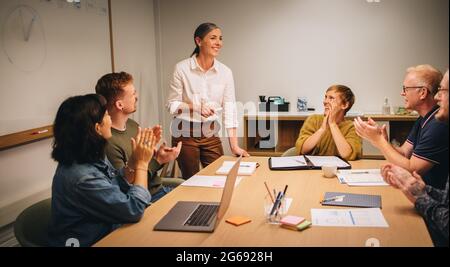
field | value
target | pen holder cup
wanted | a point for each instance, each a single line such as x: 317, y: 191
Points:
x: 278, y: 213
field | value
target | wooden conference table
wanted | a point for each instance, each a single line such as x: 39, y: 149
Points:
x: 306, y: 187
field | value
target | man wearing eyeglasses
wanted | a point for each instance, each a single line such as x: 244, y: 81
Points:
x: 430, y: 202
x: 426, y: 148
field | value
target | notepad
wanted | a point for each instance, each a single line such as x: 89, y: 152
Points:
x: 288, y: 162
x: 361, y: 177
x: 246, y: 168
x: 291, y: 222
x: 305, y: 162
x: 238, y: 220
x: 353, y: 200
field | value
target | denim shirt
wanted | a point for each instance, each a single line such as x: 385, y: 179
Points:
x: 91, y: 200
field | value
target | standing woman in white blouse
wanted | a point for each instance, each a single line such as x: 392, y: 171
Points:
x: 201, y: 94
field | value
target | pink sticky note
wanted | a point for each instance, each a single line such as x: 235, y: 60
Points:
x: 292, y: 220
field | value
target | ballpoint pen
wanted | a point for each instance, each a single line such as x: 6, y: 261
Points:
x: 331, y: 199
x: 281, y: 200
x: 277, y: 201
x: 359, y: 172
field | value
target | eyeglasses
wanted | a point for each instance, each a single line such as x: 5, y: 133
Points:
x: 405, y: 88
x: 440, y: 90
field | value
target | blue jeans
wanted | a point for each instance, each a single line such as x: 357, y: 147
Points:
x: 161, y: 192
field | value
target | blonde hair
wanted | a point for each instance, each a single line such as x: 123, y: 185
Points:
x: 428, y: 75
x: 346, y: 94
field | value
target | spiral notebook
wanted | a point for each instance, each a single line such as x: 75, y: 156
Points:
x: 351, y: 200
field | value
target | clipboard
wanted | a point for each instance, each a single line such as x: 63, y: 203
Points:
x: 353, y: 200
x: 309, y: 165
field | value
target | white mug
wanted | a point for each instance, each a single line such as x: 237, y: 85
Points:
x: 329, y: 171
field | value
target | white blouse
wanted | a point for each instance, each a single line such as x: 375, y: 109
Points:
x: 192, y: 86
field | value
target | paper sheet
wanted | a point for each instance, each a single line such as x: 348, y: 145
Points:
x: 361, y: 177
x: 327, y: 160
x: 245, y: 168
x: 367, y: 217
x: 209, y: 181
x: 285, y: 162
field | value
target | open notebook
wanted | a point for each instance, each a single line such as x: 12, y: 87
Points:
x: 305, y: 162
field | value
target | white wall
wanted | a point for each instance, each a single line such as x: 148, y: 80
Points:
x: 134, y: 52
x: 27, y: 171
x: 300, y: 47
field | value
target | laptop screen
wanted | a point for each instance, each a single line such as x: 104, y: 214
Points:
x: 228, y: 190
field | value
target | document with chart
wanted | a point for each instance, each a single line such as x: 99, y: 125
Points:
x: 370, y: 217
x: 361, y: 177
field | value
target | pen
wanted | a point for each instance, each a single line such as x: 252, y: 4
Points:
x: 40, y: 132
x: 282, y: 197
x: 359, y: 172
x: 284, y: 191
x: 268, y: 191
x: 275, y: 205
x: 245, y: 165
x: 331, y: 199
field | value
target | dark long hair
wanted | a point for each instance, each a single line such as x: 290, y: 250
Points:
x: 201, y: 31
x: 75, y: 137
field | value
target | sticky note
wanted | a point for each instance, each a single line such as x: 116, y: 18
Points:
x: 302, y: 226
x: 238, y: 220
x: 291, y: 220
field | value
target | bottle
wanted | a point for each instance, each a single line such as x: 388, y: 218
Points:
x: 386, y: 110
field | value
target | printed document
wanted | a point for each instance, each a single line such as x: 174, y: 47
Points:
x: 286, y: 162
x: 365, y: 217
x: 361, y: 177
x: 327, y: 160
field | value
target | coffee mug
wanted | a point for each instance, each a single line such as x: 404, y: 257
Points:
x: 329, y: 171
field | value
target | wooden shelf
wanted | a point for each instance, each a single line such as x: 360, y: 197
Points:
x: 288, y: 125
x: 25, y: 137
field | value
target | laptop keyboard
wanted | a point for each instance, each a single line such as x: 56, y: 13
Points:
x: 202, y: 215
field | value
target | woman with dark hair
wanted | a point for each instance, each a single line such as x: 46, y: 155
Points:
x: 89, y: 197
x: 330, y: 134
x: 202, y: 93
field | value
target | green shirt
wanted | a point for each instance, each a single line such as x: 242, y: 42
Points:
x: 326, y: 145
x: 118, y: 151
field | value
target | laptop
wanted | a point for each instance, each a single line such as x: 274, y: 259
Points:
x: 189, y: 216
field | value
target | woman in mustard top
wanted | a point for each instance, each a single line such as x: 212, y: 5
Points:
x: 330, y: 134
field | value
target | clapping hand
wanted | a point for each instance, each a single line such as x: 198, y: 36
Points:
x: 370, y: 131
x: 143, y: 146
x: 412, y: 185
x: 206, y: 109
x: 167, y: 154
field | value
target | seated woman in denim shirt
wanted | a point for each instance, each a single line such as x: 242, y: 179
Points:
x: 89, y: 197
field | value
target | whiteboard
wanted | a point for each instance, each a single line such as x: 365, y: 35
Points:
x: 49, y: 50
